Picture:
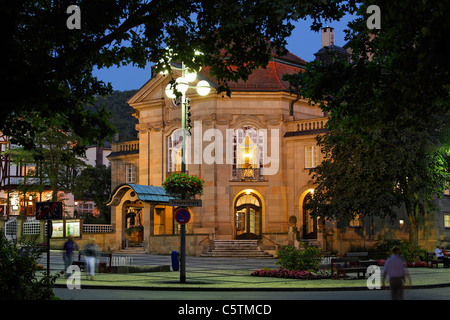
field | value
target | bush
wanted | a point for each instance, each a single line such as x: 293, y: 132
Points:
x: 290, y: 258
x: 383, y: 250
x: 18, y: 272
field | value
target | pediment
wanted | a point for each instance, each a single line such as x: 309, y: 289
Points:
x: 152, y: 90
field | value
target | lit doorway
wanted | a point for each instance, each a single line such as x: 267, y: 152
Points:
x: 247, y: 217
x: 309, y: 222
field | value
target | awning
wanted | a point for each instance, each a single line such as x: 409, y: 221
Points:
x: 144, y: 193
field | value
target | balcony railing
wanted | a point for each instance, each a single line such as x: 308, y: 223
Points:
x: 247, y: 174
x: 126, y: 146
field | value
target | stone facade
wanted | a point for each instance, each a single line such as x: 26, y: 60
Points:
x: 244, y: 196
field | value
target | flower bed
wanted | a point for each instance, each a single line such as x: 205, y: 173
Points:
x: 417, y: 264
x: 414, y: 264
x: 292, y: 274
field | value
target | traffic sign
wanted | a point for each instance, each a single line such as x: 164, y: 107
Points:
x: 48, y: 210
x: 182, y: 215
x: 185, y: 203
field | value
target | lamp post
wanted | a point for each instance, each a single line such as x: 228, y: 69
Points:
x: 182, y: 85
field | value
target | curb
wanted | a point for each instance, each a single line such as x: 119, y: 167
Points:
x: 106, y: 287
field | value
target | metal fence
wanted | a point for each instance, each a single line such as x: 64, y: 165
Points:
x: 33, y: 227
x: 97, y: 228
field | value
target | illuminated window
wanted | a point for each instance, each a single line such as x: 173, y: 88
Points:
x: 356, y: 222
x: 248, y: 153
x: 447, y: 220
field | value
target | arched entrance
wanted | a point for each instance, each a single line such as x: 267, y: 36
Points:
x: 309, y: 222
x: 133, y: 224
x: 247, y: 216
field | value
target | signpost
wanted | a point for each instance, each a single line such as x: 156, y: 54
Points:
x: 48, y: 211
x: 185, y: 203
x: 182, y: 216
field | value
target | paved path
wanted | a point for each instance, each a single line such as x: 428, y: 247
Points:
x: 242, y: 296
x: 229, y: 278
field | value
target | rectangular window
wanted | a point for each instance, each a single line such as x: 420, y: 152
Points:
x: 447, y: 220
x: 311, y: 156
x: 130, y: 174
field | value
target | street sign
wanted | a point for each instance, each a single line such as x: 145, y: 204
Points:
x: 185, y: 203
x: 48, y: 210
x: 182, y: 215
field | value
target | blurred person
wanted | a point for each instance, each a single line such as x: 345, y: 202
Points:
x: 69, y: 247
x: 395, y: 269
x: 90, y: 256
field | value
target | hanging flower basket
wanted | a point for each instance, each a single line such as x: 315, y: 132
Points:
x: 180, y: 185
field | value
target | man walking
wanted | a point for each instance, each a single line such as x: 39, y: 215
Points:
x: 395, y: 269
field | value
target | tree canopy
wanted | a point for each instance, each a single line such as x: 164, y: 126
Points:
x: 388, y: 139
x: 48, y: 67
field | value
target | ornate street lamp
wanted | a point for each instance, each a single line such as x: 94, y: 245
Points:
x: 182, y: 85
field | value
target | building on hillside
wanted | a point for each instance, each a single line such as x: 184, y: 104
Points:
x: 254, y: 151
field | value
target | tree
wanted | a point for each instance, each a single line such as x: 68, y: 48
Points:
x: 56, y: 156
x: 388, y: 139
x: 20, y: 277
x: 94, y: 183
x: 48, y: 67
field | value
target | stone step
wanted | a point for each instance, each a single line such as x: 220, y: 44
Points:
x: 236, y: 249
x: 237, y: 254
x: 133, y: 250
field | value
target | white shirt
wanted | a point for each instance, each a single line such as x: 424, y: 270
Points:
x: 394, y: 267
x: 438, y: 253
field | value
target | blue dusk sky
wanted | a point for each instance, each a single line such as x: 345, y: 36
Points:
x: 303, y: 43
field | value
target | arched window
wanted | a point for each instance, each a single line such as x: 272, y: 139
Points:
x: 248, y: 153
x: 174, y: 142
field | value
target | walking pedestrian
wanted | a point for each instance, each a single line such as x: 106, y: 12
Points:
x: 69, y: 247
x: 395, y: 268
x: 90, y: 257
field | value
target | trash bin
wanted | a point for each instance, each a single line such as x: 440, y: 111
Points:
x: 175, y: 261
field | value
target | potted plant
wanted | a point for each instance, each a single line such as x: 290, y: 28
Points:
x: 183, y: 186
x: 135, y: 233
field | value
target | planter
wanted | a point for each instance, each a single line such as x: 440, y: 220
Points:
x: 135, y: 234
x: 180, y: 185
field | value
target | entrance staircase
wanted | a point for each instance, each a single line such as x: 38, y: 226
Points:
x: 236, y: 249
x: 133, y: 249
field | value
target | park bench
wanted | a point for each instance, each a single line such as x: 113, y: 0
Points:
x: 431, y: 262
x: 346, y: 265
x: 103, y: 266
x: 361, y: 255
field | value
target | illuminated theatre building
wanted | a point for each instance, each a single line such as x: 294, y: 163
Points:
x: 245, y: 197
